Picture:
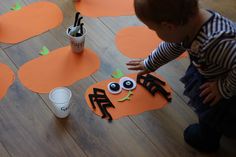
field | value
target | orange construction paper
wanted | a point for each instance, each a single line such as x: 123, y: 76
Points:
x: 141, y: 100
x: 7, y: 77
x: 61, y: 67
x: 98, y: 8
x: 31, y: 20
x: 138, y: 42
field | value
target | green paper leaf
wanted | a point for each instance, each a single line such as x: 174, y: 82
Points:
x: 17, y: 6
x: 117, y: 74
x: 44, y: 51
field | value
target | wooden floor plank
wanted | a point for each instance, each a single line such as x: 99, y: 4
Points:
x: 98, y: 137
x: 29, y: 128
x: 225, y: 7
x: 3, y: 151
x: 22, y: 53
x: 5, y: 6
x: 110, y: 132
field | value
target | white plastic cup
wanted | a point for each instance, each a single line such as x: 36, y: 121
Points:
x: 60, y: 98
x: 77, y: 43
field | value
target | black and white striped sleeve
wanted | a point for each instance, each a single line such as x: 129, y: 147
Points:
x: 162, y: 55
x: 227, y: 58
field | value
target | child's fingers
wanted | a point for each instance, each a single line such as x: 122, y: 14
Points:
x: 134, y: 62
x: 215, y: 101
x: 205, y: 85
x: 208, y: 98
x: 135, y: 68
x: 205, y: 91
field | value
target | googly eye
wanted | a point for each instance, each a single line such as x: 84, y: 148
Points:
x: 127, y: 83
x: 114, y: 87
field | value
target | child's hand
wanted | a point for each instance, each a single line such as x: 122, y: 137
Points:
x: 210, y: 93
x: 138, y: 64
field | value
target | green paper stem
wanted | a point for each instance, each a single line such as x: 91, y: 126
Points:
x: 117, y: 74
x: 44, y: 51
x: 17, y: 6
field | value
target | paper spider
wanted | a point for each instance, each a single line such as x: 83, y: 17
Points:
x: 117, y: 98
x: 153, y: 85
x: 100, y: 98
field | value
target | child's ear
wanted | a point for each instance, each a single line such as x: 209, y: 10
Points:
x: 168, y: 26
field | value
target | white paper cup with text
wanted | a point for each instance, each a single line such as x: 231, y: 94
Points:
x: 60, y: 98
x: 76, y: 42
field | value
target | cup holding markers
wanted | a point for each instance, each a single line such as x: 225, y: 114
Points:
x: 60, y: 98
x: 76, y: 41
x: 76, y: 34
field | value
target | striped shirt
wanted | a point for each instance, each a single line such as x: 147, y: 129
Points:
x: 214, y: 48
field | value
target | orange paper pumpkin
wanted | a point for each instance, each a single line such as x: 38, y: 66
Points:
x: 140, y: 101
x: 31, y: 20
x: 61, y: 67
x: 138, y: 42
x: 97, y: 8
x: 6, y: 79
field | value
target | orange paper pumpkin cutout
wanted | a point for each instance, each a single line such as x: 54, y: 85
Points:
x: 61, y: 67
x: 138, y: 42
x: 97, y: 8
x: 31, y: 20
x: 140, y: 101
x: 6, y: 79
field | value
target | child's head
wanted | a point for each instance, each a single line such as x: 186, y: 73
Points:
x: 154, y: 13
x: 173, y: 11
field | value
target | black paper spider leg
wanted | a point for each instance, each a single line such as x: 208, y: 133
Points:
x: 152, y: 88
x: 104, y: 96
x: 102, y: 102
x: 105, y: 101
x: 164, y: 93
x: 91, y: 98
x: 98, y: 90
x: 144, y: 82
x: 105, y: 106
x: 139, y: 78
x: 151, y: 83
x: 149, y: 76
x: 101, y: 98
x: 147, y: 82
x: 102, y: 109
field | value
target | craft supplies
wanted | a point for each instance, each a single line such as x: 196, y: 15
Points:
x: 153, y: 85
x: 76, y: 34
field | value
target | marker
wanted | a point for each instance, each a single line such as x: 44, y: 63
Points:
x: 78, y: 22
x: 76, y: 18
x: 81, y: 29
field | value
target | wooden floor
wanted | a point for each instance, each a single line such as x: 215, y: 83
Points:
x: 28, y: 127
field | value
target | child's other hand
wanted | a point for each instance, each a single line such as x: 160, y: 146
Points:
x: 138, y: 64
x: 210, y: 93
